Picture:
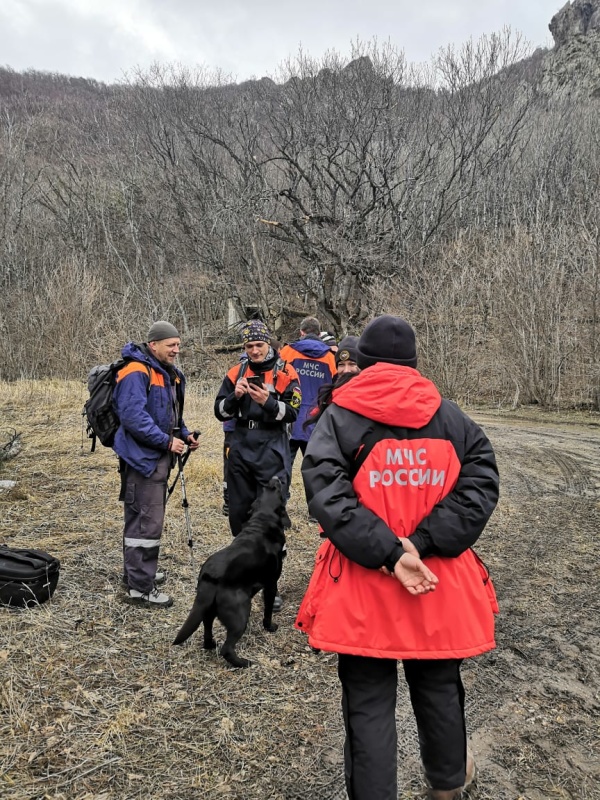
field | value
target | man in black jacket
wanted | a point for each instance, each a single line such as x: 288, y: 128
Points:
x: 262, y: 395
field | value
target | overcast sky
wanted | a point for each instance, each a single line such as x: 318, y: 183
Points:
x: 107, y: 39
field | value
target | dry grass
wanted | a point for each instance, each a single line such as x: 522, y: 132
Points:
x: 95, y: 704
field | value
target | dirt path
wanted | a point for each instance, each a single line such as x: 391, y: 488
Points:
x: 534, y: 702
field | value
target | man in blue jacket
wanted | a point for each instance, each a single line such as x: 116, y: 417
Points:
x: 148, y: 399
x: 314, y: 362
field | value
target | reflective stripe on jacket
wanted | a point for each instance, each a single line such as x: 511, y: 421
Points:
x: 281, y: 406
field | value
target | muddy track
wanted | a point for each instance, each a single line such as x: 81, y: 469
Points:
x: 535, y: 701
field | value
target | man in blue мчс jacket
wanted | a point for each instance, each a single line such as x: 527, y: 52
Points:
x: 148, y: 400
x: 314, y: 362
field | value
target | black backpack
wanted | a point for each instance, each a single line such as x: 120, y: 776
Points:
x: 27, y: 577
x: 100, y: 418
x: 98, y: 412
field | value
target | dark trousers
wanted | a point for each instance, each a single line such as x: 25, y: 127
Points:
x: 369, y: 705
x: 295, y: 445
x: 249, y: 469
x: 226, y: 447
x: 144, y: 509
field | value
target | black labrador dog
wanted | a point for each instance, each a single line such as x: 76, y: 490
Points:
x: 230, y: 577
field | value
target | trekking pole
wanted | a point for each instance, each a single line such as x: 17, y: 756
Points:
x: 181, y: 460
x: 186, y: 510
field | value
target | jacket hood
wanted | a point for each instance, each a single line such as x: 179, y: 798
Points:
x: 312, y: 348
x: 390, y: 395
x: 138, y: 352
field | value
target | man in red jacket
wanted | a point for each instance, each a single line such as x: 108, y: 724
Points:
x: 402, y: 483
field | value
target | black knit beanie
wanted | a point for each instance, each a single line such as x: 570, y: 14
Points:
x: 387, y: 338
x: 346, y: 349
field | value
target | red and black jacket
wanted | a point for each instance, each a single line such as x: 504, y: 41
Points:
x: 388, y: 459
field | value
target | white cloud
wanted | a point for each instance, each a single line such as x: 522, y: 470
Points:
x: 16, y: 16
x: 105, y: 38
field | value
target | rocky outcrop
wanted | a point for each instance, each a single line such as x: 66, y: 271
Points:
x: 572, y: 67
x: 576, y: 19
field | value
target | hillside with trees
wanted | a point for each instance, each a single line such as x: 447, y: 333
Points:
x: 463, y: 194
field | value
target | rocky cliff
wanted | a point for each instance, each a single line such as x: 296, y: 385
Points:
x: 578, y: 19
x: 573, y: 65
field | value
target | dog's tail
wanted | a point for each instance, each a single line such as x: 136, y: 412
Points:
x: 191, y: 624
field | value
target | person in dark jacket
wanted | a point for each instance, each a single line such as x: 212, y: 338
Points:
x: 263, y: 396
x: 228, y: 428
x: 148, y: 399
x: 314, y: 362
x: 402, y: 483
x: 345, y: 360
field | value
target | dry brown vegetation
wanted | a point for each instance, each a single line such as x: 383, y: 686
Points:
x: 95, y: 704
x: 458, y: 193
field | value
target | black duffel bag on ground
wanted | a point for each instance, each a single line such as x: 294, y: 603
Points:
x: 27, y: 577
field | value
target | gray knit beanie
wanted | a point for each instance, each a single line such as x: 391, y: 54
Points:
x: 162, y: 330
